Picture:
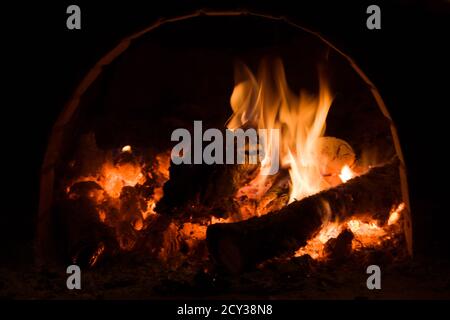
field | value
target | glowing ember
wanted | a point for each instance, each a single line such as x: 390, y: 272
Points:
x: 126, y: 190
x: 126, y: 148
x: 138, y: 225
x: 220, y: 220
x: 366, y: 234
x: 115, y: 192
x: 114, y: 177
x: 102, y: 215
x: 97, y: 254
x: 193, y: 231
x: 314, y: 247
x: 395, y: 214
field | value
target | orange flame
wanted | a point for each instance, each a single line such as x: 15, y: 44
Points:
x: 266, y: 102
x: 366, y: 234
x: 314, y: 162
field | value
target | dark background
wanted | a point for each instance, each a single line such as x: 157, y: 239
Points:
x: 407, y: 60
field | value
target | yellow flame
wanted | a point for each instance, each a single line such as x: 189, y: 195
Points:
x: 346, y: 174
x: 266, y: 102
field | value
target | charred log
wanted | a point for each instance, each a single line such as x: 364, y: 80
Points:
x: 240, y: 246
x: 202, y: 191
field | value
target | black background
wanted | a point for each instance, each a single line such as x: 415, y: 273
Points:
x: 407, y: 60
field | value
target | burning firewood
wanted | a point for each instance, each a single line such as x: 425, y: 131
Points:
x: 242, y: 245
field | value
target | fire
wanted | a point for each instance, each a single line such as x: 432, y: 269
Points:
x: 395, y: 214
x: 161, y: 175
x: 102, y: 215
x: 220, y: 220
x: 127, y: 189
x: 266, y: 102
x: 126, y: 148
x: 314, y: 247
x: 115, y: 190
x: 97, y: 254
x: 315, y: 162
x: 114, y: 177
x: 366, y: 234
x: 346, y: 173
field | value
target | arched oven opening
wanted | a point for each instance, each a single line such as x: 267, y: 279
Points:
x: 111, y: 192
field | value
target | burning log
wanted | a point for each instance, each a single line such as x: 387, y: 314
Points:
x: 239, y: 246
